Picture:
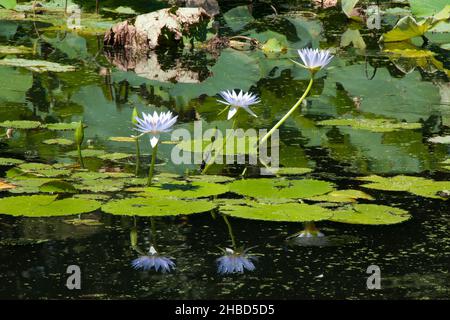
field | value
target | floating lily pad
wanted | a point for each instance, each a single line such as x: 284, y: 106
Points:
x: 280, y: 188
x: 62, y: 126
x: 86, y: 153
x: 210, y: 178
x: 6, y: 186
x: 98, y: 197
x: 37, y: 65
x: 151, y: 207
x: 342, y: 196
x: 20, y: 124
x: 291, y: 212
x: 122, y: 139
x: 103, y: 185
x: 60, y: 141
x: 10, y: 161
x: 374, y: 125
x: 28, y: 185
x: 42, y: 169
x: 89, y: 175
x: 238, y: 146
x: 371, y: 214
x: 45, y: 206
x: 431, y: 190
x: 57, y: 186
x: 397, y: 183
x: 184, y: 190
x: 115, y: 156
x: 293, y: 171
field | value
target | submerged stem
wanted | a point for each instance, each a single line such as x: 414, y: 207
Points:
x: 230, y: 232
x: 287, y: 115
x: 152, y: 166
x: 138, y: 157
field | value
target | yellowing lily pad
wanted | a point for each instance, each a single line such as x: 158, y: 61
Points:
x: 342, y: 196
x: 291, y: 212
x: 280, y: 188
x: 45, y: 206
x: 371, y: 214
x: 151, y: 207
x: 60, y: 141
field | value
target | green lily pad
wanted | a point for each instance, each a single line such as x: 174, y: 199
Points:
x: 238, y: 17
x: 42, y: 169
x: 431, y: 190
x: 407, y: 28
x: 20, y: 124
x: 342, y: 196
x: 60, y: 141
x: 57, y: 186
x: 374, y: 125
x: 291, y: 171
x: 210, y: 178
x: 45, y: 206
x: 92, y: 196
x: 86, y: 153
x: 371, y: 214
x: 152, y: 207
x: 291, y: 212
x: 397, y: 183
x: 239, y: 146
x: 184, y: 190
x: 122, y: 139
x: 62, y: 126
x: 273, y: 45
x: 99, y: 186
x: 37, y: 65
x: 89, y: 175
x: 115, y: 156
x: 10, y: 161
x: 280, y: 188
x: 28, y: 185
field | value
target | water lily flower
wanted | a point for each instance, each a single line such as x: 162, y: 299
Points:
x: 155, y: 124
x: 238, y: 100
x: 314, y: 59
x: 235, y: 261
x: 153, y: 261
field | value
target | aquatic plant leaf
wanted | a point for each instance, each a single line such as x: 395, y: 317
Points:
x: 292, y: 171
x: 94, y: 196
x: 407, y: 28
x: 62, y: 126
x: 37, y: 65
x: 184, y: 190
x: 238, y: 17
x: 238, y: 146
x: 152, y: 207
x: 374, y: 125
x: 10, y: 161
x: 59, y: 141
x: 371, y: 214
x: 290, y: 212
x: 45, y: 206
x: 210, y: 178
x: 427, y: 8
x: 440, y: 139
x: 349, y: 195
x: 122, y: 139
x: 57, y: 186
x: 8, y: 4
x: 348, y: 5
x: 15, y: 50
x: 20, y: 124
x: 352, y: 36
x: 397, y: 183
x: 89, y: 175
x: 6, y: 186
x: 432, y: 190
x: 266, y: 188
x: 115, y: 156
x: 273, y: 45
x: 87, y: 153
x: 98, y: 186
x: 28, y: 185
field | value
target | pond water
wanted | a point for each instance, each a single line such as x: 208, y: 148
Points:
x: 400, y: 167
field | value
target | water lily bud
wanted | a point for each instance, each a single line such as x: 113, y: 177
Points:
x: 79, y: 134
x: 133, y: 237
x: 134, y: 115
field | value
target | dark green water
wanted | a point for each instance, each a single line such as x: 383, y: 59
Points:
x: 412, y: 256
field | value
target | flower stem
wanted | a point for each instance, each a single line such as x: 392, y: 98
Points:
x: 216, y: 154
x: 230, y: 232
x: 287, y: 115
x: 152, y: 166
x: 80, y: 157
x: 138, y: 157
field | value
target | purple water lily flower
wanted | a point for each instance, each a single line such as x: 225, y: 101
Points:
x: 155, y: 124
x: 238, y: 100
x: 153, y: 261
x: 314, y: 59
x: 235, y: 262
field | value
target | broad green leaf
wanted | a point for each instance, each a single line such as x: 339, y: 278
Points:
x: 62, y: 126
x: 87, y: 153
x: 184, y: 190
x: 352, y: 36
x: 426, y: 8
x: 342, y: 196
x: 348, y: 5
x: 8, y: 4
x: 374, y: 125
x: 407, y: 28
x: 432, y: 190
x: 291, y: 171
x: 14, y: 84
x: 10, y: 161
x: 45, y: 206
x: 266, y: 188
x: 37, y: 65
x: 371, y: 214
x: 273, y: 45
x: 20, y: 124
x: 59, y: 141
x: 15, y: 50
x: 290, y: 212
x: 100, y: 185
x: 153, y: 207
x: 57, y: 186
x: 115, y: 156
x: 238, y: 17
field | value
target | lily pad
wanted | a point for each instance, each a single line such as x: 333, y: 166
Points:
x: 28, y: 185
x: 37, y: 65
x: 291, y: 212
x: 86, y: 153
x: 122, y: 139
x: 210, y: 178
x: 62, y: 126
x: 397, y: 183
x: 184, y: 190
x: 89, y: 175
x: 10, y: 161
x: 238, y: 17
x: 20, y: 124
x: 374, y: 125
x: 115, y: 156
x: 60, y: 141
x: 152, y: 207
x: 371, y: 214
x: 431, y: 190
x: 292, y: 171
x: 15, y: 50
x: 57, y: 186
x: 45, y: 206
x: 98, y: 186
x: 342, y: 196
x: 280, y: 188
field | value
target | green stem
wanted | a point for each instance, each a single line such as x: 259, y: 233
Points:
x: 230, y: 232
x: 287, y: 115
x: 152, y: 166
x: 80, y: 157
x: 138, y: 157
x: 216, y: 154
